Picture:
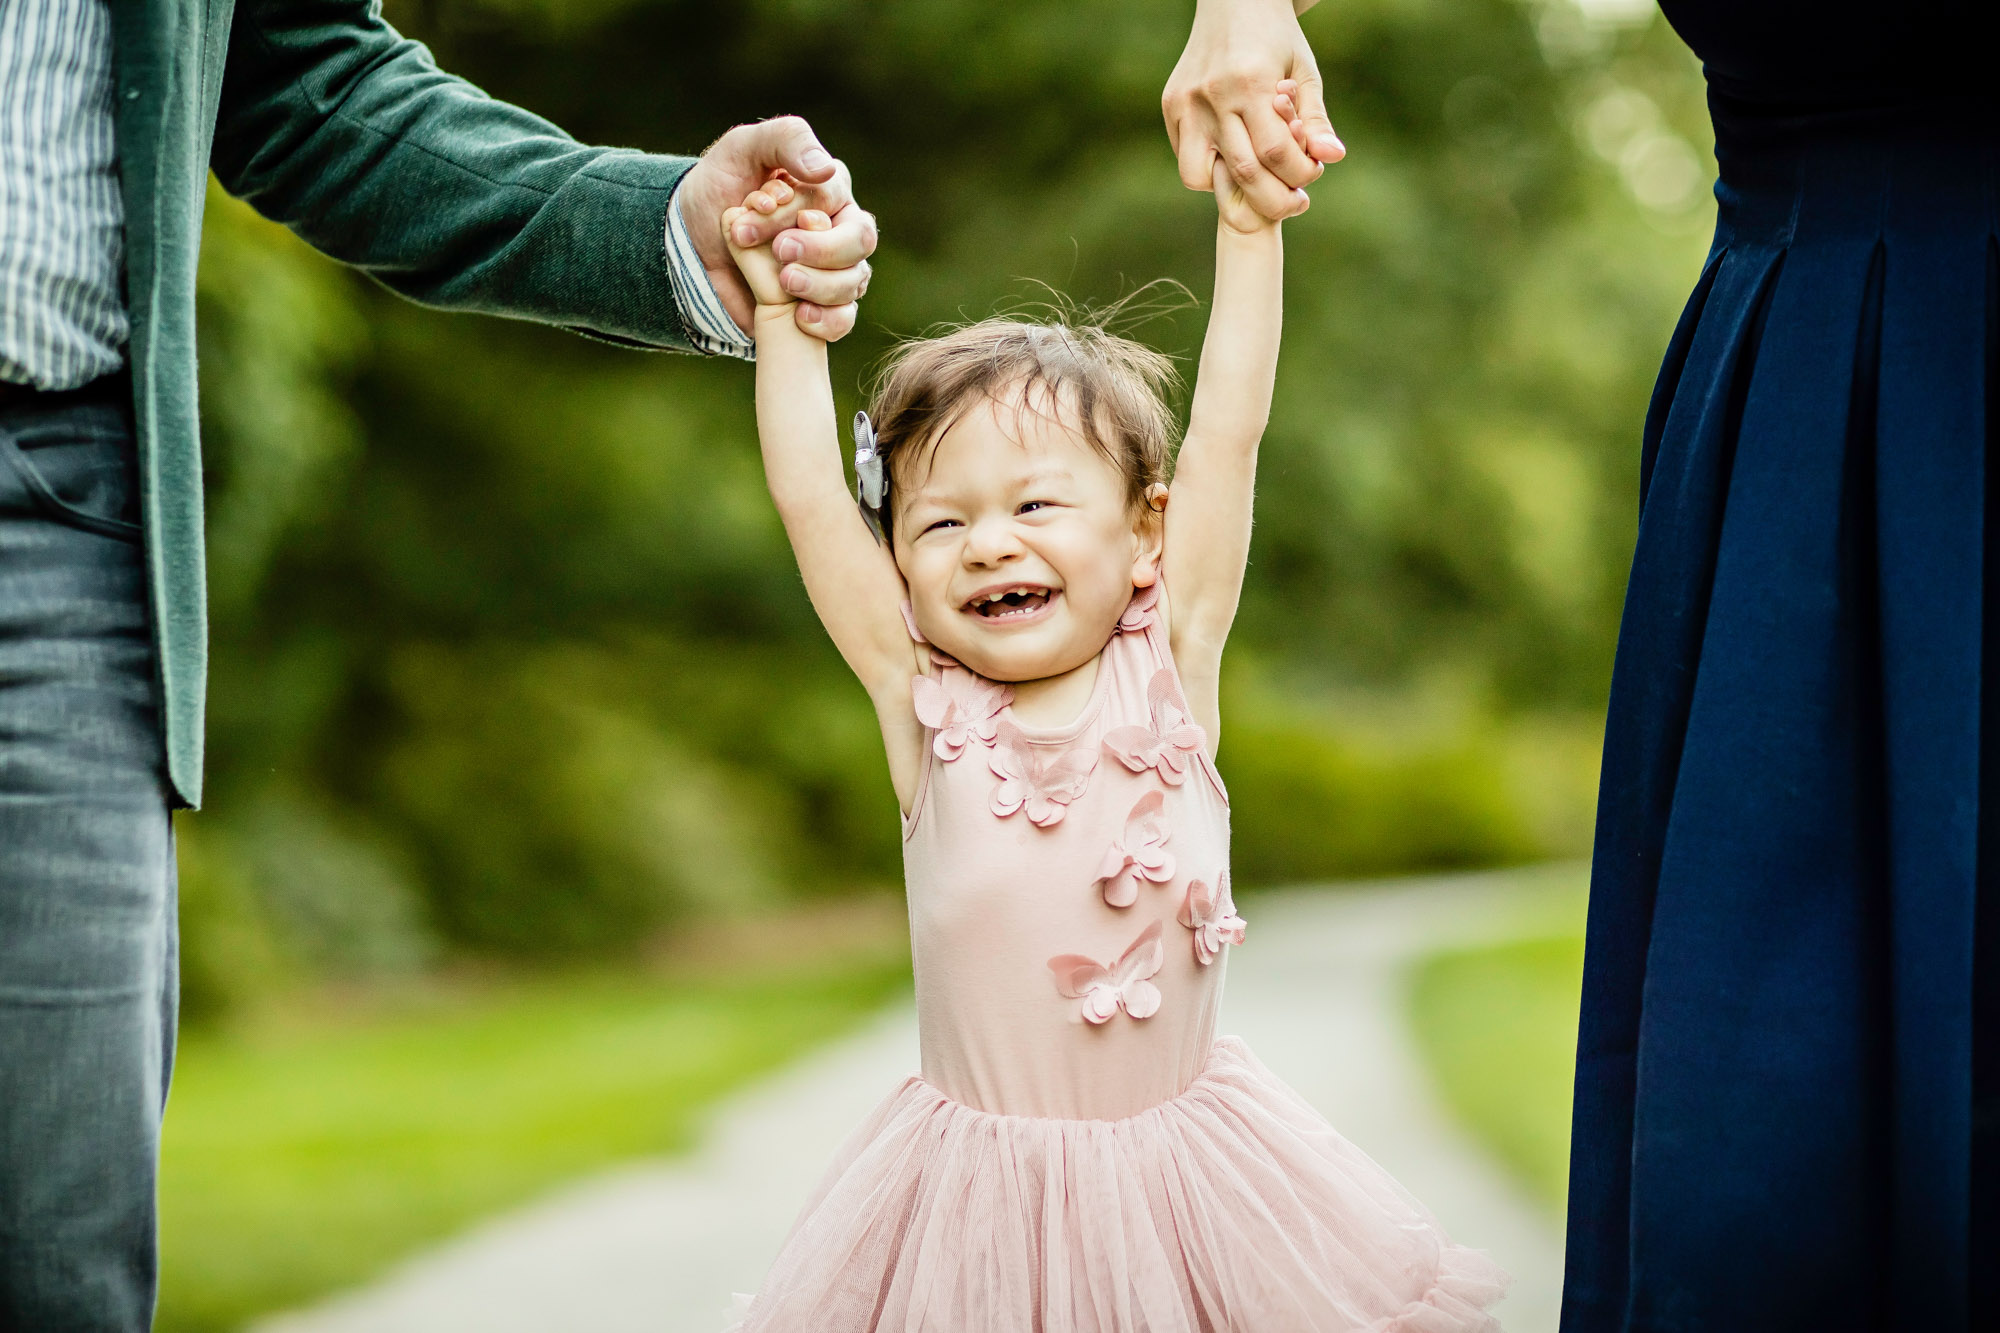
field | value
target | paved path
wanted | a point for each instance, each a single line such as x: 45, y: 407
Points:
x: 659, y: 1247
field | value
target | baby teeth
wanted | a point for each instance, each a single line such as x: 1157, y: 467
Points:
x: 993, y: 598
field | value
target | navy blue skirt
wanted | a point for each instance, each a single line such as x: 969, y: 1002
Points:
x: 1785, y: 1093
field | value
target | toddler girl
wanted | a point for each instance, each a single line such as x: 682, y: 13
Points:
x: 1040, y: 624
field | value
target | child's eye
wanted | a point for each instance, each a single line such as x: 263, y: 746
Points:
x: 1031, y: 506
x: 941, y: 523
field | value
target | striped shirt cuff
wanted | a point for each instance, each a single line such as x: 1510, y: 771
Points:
x: 709, y: 327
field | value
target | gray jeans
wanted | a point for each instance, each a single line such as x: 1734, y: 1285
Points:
x: 87, y: 895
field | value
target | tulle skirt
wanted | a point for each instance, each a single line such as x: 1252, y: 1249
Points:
x: 1232, y: 1207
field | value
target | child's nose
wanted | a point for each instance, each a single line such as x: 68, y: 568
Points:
x: 992, y: 542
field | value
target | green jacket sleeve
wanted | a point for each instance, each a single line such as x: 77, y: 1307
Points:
x: 334, y: 124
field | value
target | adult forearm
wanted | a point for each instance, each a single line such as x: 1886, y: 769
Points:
x: 335, y: 125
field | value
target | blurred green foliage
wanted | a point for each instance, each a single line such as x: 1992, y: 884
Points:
x: 510, y: 655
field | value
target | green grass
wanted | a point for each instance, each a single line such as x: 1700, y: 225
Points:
x: 1497, y: 1027
x: 305, y: 1156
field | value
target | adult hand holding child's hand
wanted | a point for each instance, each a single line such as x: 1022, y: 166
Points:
x: 1218, y: 104
x: 777, y: 206
x: 824, y: 271
x: 1234, y: 206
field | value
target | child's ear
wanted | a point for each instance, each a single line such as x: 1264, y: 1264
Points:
x: 1151, y: 531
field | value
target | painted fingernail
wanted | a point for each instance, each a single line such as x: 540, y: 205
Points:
x: 788, y: 248
x: 815, y: 160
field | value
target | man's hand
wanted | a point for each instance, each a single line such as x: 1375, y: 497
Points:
x: 824, y: 271
x: 1219, y: 104
x: 773, y: 206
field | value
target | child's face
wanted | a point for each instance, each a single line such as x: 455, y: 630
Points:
x: 1018, y: 543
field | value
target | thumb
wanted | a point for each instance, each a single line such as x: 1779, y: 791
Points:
x: 790, y: 143
x: 1320, y: 140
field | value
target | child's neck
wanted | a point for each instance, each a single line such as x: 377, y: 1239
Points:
x: 1055, y: 701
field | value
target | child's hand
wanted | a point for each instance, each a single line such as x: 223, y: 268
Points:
x: 1234, y: 208
x: 787, y: 203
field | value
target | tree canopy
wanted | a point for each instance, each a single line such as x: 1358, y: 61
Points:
x: 510, y: 655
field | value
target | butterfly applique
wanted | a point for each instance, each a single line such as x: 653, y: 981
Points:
x: 1170, y: 745
x: 1039, y: 780
x: 1126, y: 984
x: 1211, y: 915
x: 959, y: 707
x: 1142, y: 610
x: 1140, y: 854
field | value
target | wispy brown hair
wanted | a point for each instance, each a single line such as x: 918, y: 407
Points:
x: 1112, y: 389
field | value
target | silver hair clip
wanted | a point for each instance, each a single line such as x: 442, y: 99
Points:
x: 871, y: 487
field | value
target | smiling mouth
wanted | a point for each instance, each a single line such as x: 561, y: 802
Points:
x: 1016, y: 603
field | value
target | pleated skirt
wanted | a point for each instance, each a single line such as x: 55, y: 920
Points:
x: 1785, y: 1096
x: 1232, y: 1208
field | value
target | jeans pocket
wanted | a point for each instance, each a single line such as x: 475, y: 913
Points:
x: 49, y: 499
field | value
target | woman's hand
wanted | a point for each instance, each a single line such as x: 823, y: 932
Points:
x: 1219, y: 103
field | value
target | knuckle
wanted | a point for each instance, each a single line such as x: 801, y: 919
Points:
x: 1275, y: 154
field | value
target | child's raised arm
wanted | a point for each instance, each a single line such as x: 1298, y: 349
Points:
x: 850, y: 577
x: 1208, y: 509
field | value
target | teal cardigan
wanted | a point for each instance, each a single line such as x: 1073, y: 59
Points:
x: 325, y: 119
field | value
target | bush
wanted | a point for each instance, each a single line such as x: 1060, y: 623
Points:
x: 554, y: 819
x: 283, y: 890
x: 1309, y: 805
x: 507, y: 643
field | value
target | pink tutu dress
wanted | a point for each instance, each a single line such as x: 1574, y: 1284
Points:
x: 1082, y: 1154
